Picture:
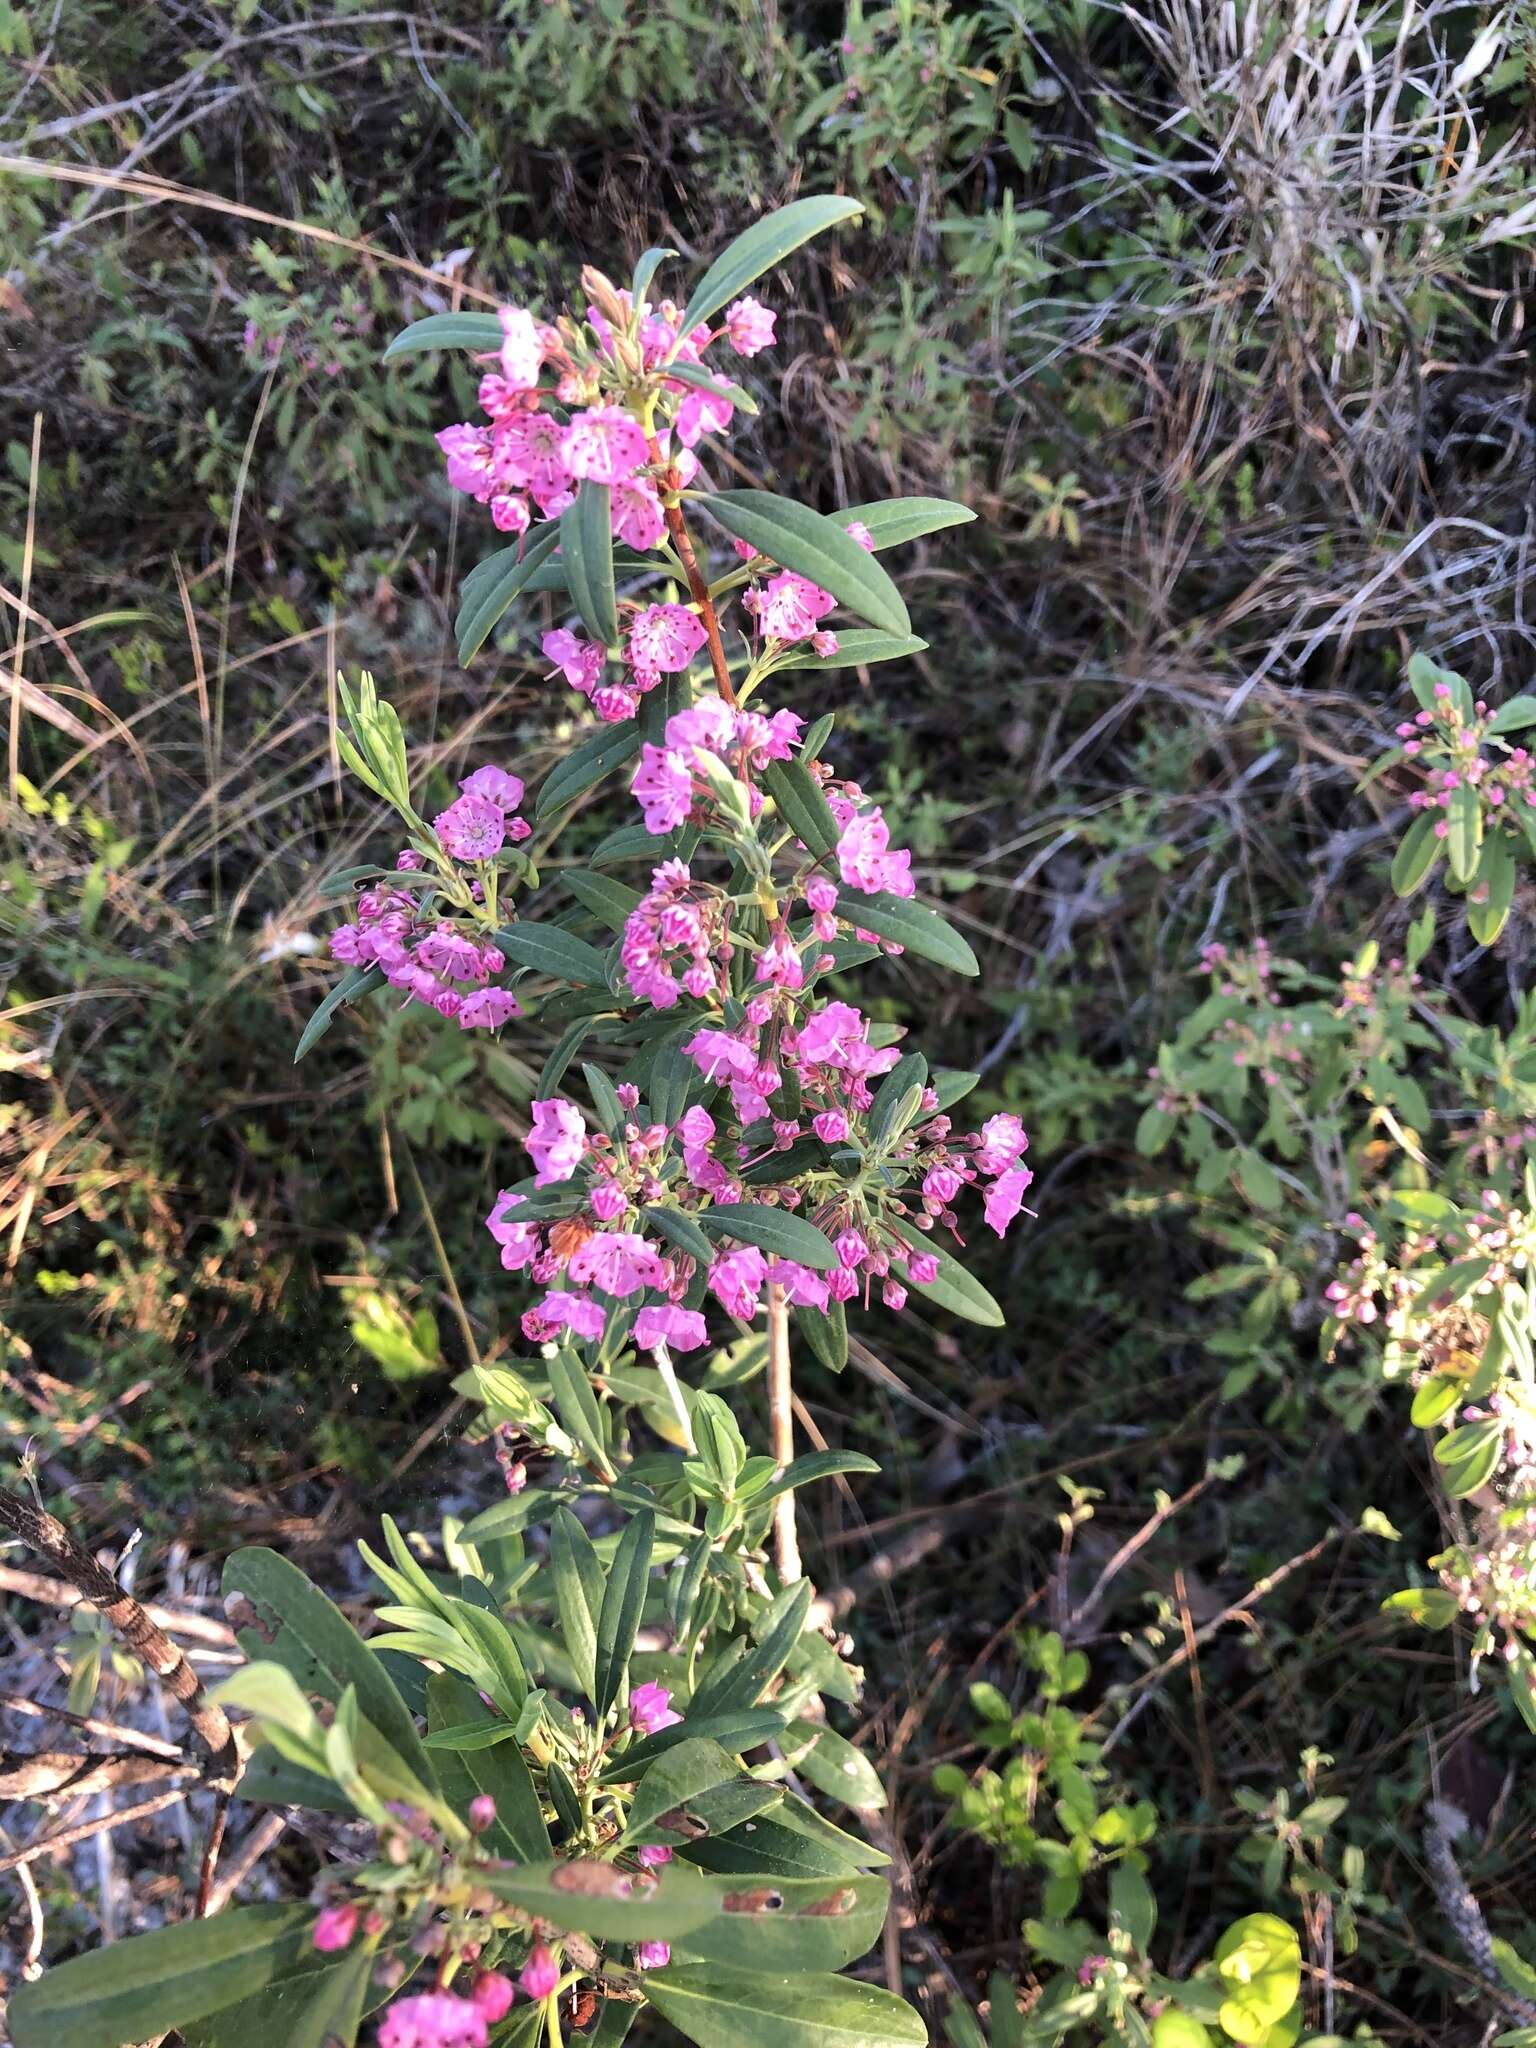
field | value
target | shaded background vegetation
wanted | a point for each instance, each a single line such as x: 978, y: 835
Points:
x: 1220, y: 323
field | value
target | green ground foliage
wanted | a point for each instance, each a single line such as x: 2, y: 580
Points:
x: 1223, y: 332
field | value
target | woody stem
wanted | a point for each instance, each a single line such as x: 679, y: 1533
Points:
x: 786, y: 1541
x: 682, y: 540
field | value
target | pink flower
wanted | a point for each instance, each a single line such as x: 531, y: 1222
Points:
x: 857, y: 530
x: 749, y: 326
x: 665, y: 638
x: 528, y: 456
x: 680, y: 1329
x: 561, y: 1311
x: 604, y: 445
x: 736, y: 1280
x: 487, y: 1009
x: 541, y: 1973
x: 335, y: 1928
x: 522, y: 352
x: 471, y: 459
x: 618, y: 1262
x: 472, y: 828
x: 1002, y: 1140
x: 831, y: 1126
x: 434, y: 2019
x: 710, y: 724
x: 653, y: 1855
x: 510, y: 513
x: 1005, y: 1198
x: 789, y: 607
x: 802, y: 1287
x: 703, y: 412
x: 922, y: 1269
x: 496, y: 784
x: 557, y: 1141
x: 492, y: 1994
x: 579, y: 661
x: 636, y: 514
x: 482, y: 1812
x: 713, y: 1052
x: 663, y: 787
x: 826, y: 1038
x: 864, y: 858
x: 650, y: 1709
x: 780, y: 962
x: 519, y: 1241
x: 652, y: 1955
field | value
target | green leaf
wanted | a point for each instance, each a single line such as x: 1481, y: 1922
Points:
x: 1493, y: 891
x: 1433, y: 1401
x: 587, y: 764
x: 812, y: 546
x: 905, y: 922
x: 893, y: 521
x: 825, y: 1332
x: 357, y: 981
x: 610, y: 901
x: 1417, y: 853
x: 953, y: 1287
x: 549, y: 950
x: 586, y: 548
x: 578, y: 1407
x: 693, y: 1766
x: 1514, y: 716
x: 758, y: 248
x: 719, y: 2007
x: 320, y: 2005
x: 779, y: 1232
x: 702, y: 378
x: 579, y: 1591
x: 518, y: 1830
x: 813, y: 1466
x: 599, y: 1899
x: 618, y: 1618
x: 491, y: 586
x: 136, y: 1990
x: 794, y: 1924
x: 680, y: 1229
x: 801, y: 804
x: 739, y: 1677
x: 650, y: 262
x: 295, y: 1625
x: 1133, y: 1904
x: 861, y: 647
x: 479, y: 331
x: 1470, y: 1455
x: 835, y: 1767
x: 1464, y: 817
x: 564, y: 1050
x: 1261, y: 1183
x: 739, y: 1730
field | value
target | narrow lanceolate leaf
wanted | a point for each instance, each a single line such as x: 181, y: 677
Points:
x: 498, y: 1769
x: 686, y: 1772
x: 586, y: 547
x: 759, y: 247
x: 588, y: 764
x: 953, y: 1288
x: 578, y: 1593
x: 678, y: 1228
x: 1464, y: 839
x: 813, y: 1466
x: 136, y: 1990
x: 703, y: 379
x: 1493, y: 891
x: 910, y: 924
x: 801, y: 804
x: 549, y: 950
x: 650, y: 262
x: 826, y: 1333
x: 718, y: 2007
x: 610, y: 901
x: 292, y: 1623
x: 738, y: 1678
x: 812, y: 546
x: 490, y: 588
x: 860, y: 648
x: 479, y: 331
x: 737, y: 1732
x: 600, y: 1899
x: 775, y: 1231
x: 357, y: 981
x: 796, y: 1923
x: 319, y: 2005
x: 618, y: 1619
x: 891, y: 521
x: 1514, y: 716
x: 1417, y: 852
x: 835, y: 1767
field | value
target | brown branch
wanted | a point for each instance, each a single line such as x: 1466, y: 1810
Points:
x: 682, y: 540
x: 90, y: 1724
x: 781, y: 1424
x: 41, y: 1532
x: 82, y: 1831
x: 49, y: 1593
x: 71, y: 1774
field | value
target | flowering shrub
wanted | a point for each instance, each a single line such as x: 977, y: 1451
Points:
x: 550, y: 1743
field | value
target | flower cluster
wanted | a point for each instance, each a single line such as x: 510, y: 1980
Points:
x: 624, y: 422
x: 1454, y: 751
x: 596, y: 1256
x: 405, y: 929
